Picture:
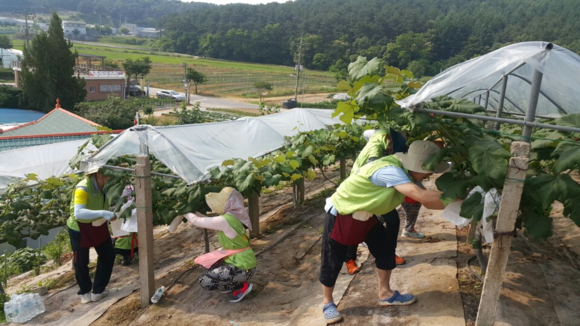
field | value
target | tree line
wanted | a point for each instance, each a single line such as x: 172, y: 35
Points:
x: 423, y: 36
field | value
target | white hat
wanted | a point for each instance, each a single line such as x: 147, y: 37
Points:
x: 368, y: 133
x: 418, y: 153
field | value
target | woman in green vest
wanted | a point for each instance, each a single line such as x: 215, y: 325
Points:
x: 87, y: 206
x: 230, y: 267
x: 376, y: 189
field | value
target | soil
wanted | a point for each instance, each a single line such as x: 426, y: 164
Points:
x: 539, y: 285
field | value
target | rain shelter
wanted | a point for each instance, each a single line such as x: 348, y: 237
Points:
x: 188, y: 150
x: 44, y: 160
x: 506, y: 80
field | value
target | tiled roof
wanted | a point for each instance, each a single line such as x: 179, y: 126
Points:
x: 56, y: 126
x: 9, y: 144
x: 57, y: 121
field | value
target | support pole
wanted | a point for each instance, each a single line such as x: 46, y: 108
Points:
x: 500, y: 251
x: 145, y: 226
x: 471, y: 233
x: 486, y: 100
x: 501, y: 100
x: 533, y: 104
x: 254, y: 208
x: 342, y: 168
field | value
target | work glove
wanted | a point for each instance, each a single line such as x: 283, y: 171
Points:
x: 108, y: 215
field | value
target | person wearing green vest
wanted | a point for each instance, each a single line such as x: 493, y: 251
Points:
x: 234, y: 264
x: 87, y: 206
x: 379, y: 143
x: 376, y: 189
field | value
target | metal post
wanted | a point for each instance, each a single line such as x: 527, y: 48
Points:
x: 533, y: 104
x: 144, y: 224
x: 486, y: 99
x: 501, y: 100
x: 479, y: 100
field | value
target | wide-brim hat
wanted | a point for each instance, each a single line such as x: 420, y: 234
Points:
x: 217, y: 200
x: 419, y: 152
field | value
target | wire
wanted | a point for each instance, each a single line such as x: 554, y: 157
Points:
x: 471, y: 270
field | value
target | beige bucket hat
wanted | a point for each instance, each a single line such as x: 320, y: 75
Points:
x: 418, y: 153
x: 230, y: 201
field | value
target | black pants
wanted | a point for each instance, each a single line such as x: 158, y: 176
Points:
x: 105, y: 262
x: 393, y: 223
x: 126, y: 253
x: 381, y: 244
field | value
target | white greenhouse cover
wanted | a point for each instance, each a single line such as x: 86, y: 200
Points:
x: 190, y: 150
x: 559, y: 88
x: 43, y: 160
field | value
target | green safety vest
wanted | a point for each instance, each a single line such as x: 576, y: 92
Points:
x: 376, y: 147
x: 124, y: 242
x: 95, y: 201
x: 358, y: 193
x: 245, y: 259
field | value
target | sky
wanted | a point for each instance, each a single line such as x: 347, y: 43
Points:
x: 223, y: 2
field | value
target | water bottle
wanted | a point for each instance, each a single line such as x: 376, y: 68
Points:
x: 155, y: 298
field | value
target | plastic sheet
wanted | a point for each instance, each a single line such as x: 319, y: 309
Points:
x: 475, y: 77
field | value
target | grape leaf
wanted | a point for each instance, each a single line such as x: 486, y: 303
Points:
x: 570, y: 120
x: 538, y: 225
x: 472, y: 207
x: 452, y: 189
x: 361, y: 67
x: 488, y: 157
x: 568, y: 160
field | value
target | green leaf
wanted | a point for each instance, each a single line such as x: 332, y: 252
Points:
x: 361, y: 67
x: 347, y: 111
x: 290, y: 154
x: 228, y: 162
x: 313, y: 160
x: 572, y: 210
x: 472, y: 207
x: 464, y: 106
x: 280, y: 158
x: 32, y: 176
x: 538, y: 225
x: 272, y: 180
x: 311, y: 175
x: 547, y: 188
x: 294, y: 164
x: 344, y: 86
x: 568, y: 160
x: 452, y: 189
x: 246, y: 184
x: 488, y: 157
x: 296, y: 176
x: 570, y: 120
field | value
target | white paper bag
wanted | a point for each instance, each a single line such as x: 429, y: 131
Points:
x: 130, y: 224
x: 117, y: 230
x: 451, y: 213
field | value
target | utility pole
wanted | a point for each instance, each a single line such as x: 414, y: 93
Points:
x: 27, y: 15
x: 298, y: 68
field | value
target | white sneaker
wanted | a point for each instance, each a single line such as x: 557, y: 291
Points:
x: 99, y: 296
x: 86, y: 298
x: 175, y: 223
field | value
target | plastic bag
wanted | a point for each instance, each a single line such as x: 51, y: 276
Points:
x: 130, y: 224
x: 23, y: 307
x: 451, y: 213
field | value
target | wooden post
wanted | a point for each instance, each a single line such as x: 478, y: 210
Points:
x: 471, y: 233
x: 508, y: 211
x: 300, y: 188
x: 145, y: 227
x: 342, y: 168
x: 254, y: 208
x: 206, y: 240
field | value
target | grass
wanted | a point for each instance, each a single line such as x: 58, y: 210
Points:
x: 225, y: 78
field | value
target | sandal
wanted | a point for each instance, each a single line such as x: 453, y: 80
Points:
x: 398, y: 299
x: 331, y: 314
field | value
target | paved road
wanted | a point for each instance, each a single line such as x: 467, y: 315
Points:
x: 211, y: 102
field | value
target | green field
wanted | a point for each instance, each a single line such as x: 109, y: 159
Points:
x: 225, y: 78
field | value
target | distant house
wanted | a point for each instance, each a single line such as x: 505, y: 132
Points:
x: 10, y: 57
x: 133, y: 29
x: 148, y: 32
x: 69, y: 27
x: 56, y: 126
x: 101, y: 84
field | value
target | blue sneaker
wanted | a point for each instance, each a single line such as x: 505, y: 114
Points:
x: 238, y: 295
x: 398, y: 299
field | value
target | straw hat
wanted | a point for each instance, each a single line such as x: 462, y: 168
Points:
x: 418, y: 153
x: 217, y: 200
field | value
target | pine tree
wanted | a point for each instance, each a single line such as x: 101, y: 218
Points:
x: 48, y: 71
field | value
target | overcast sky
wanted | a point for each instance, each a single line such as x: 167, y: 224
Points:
x: 223, y: 2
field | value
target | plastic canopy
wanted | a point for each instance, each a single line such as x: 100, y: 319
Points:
x: 44, y: 160
x: 190, y: 150
x: 470, y: 79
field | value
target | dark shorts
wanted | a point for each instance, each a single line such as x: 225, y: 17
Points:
x: 379, y: 241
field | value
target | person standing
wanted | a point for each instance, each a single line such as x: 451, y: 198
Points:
x: 380, y: 143
x: 87, y: 206
x: 376, y: 189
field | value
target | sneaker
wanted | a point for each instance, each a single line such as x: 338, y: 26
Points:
x: 398, y: 300
x: 99, y: 296
x: 352, y: 267
x: 238, y: 295
x: 86, y: 298
x: 412, y: 234
x: 400, y: 260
